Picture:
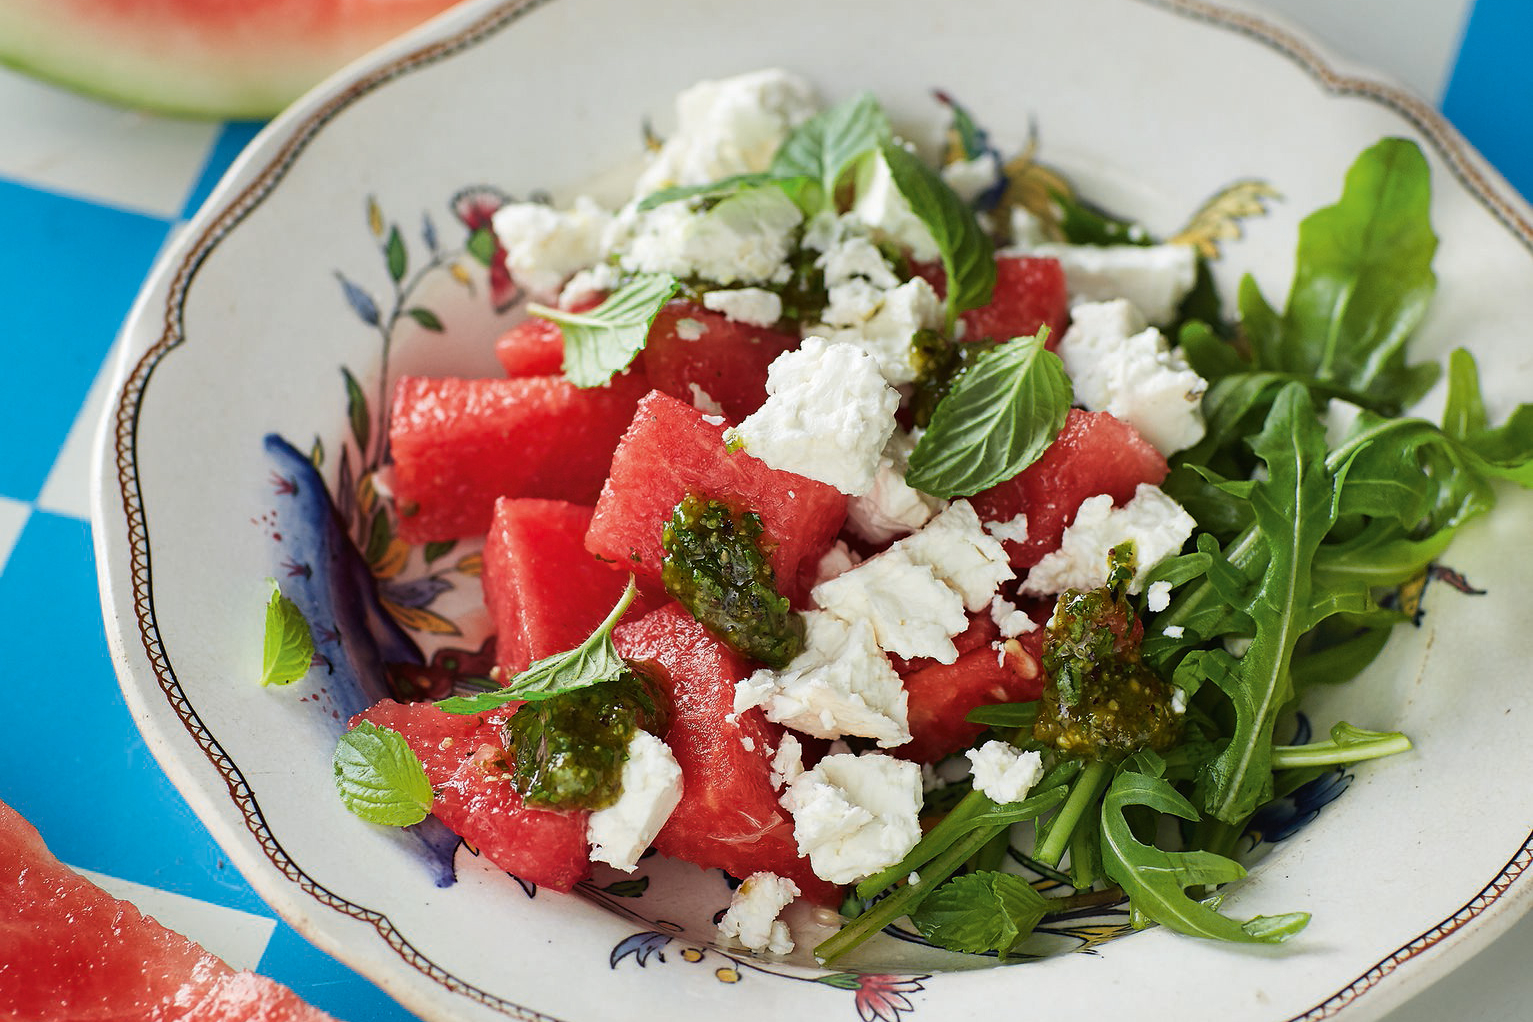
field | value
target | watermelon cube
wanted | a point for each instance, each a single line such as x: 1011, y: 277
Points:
x: 459, y: 444
x: 670, y: 451
x: 1094, y: 453
x: 545, y: 591
x: 693, y: 352
x: 535, y: 346
x: 728, y: 816
x: 941, y: 695
x: 465, y: 760
x: 1029, y: 292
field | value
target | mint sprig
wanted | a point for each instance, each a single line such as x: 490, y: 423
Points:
x: 379, y: 777
x: 967, y: 254
x: 603, y: 341
x: 288, y: 646
x: 979, y: 912
x: 824, y: 147
x: 593, y: 661
x: 997, y: 419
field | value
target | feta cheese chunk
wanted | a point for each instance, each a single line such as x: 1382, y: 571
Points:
x: 1009, y: 620
x: 1159, y: 597
x: 971, y: 179
x: 841, y: 684
x: 880, y: 206
x: 912, y: 612
x: 1154, y: 277
x: 882, y: 323
x: 838, y: 560
x: 744, y: 239
x: 828, y: 415
x: 855, y: 815
x: 1003, y: 773
x: 728, y: 126
x: 891, y: 508
x: 545, y: 247
x: 1119, y: 365
x: 620, y: 833
x: 751, y: 305
x: 752, y: 916
x: 1157, y: 525
x: 961, y: 553
x: 787, y: 761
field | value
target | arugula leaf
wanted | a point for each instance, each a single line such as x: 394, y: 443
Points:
x: 1156, y: 881
x: 997, y: 419
x: 980, y: 912
x: 1362, y: 282
x: 711, y: 190
x: 288, y: 645
x: 967, y: 255
x: 824, y: 147
x: 603, y: 341
x: 593, y: 661
x: 379, y: 778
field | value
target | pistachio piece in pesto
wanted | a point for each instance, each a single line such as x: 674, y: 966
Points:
x: 1101, y: 701
x: 715, y: 566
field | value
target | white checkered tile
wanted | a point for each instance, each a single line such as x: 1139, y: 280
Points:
x: 67, y: 488
x: 13, y: 515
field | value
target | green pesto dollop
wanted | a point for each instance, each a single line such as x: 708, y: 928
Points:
x: 569, y: 749
x: 715, y: 566
x: 1101, y: 701
x: 939, y: 362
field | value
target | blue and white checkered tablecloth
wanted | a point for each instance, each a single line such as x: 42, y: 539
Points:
x: 90, y: 194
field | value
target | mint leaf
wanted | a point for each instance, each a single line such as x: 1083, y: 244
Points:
x: 379, y: 778
x: 713, y: 190
x: 980, y: 912
x: 593, y: 661
x: 967, y: 255
x: 1156, y: 881
x: 603, y: 341
x: 288, y: 647
x: 830, y: 142
x: 997, y: 419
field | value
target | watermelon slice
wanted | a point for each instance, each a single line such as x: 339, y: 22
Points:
x: 69, y: 950
x: 246, y: 59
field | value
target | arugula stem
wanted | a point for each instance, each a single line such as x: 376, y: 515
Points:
x: 1287, y: 757
x: 1083, y: 795
x: 905, y: 900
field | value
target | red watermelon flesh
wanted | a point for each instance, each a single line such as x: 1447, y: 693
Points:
x: 1029, y: 292
x: 460, y: 444
x: 545, y: 591
x: 535, y: 346
x: 70, y: 951
x: 669, y: 452
x: 691, y: 348
x: 1094, y: 453
x: 465, y: 760
x: 728, y: 816
x: 941, y: 695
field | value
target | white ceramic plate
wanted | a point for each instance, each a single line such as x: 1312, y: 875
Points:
x: 286, y: 304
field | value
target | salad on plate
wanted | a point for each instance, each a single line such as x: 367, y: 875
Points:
x: 920, y: 540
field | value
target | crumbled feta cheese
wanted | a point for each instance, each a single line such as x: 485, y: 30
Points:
x: 743, y: 239
x: 747, y: 743
x: 752, y: 916
x: 841, y: 684
x: 912, y: 612
x: 651, y: 781
x: 855, y: 257
x: 973, y: 178
x: 1174, y: 631
x: 1179, y: 701
x: 1159, y: 597
x: 589, y: 283
x: 913, y: 879
x: 891, y: 508
x: 703, y: 401
x: 961, y: 553
x: 1013, y: 530
x: 545, y: 247
x: 838, y: 560
x: 1157, y: 525
x: 1119, y: 365
x: 728, y: 126
x: 1011, y: 621
x: 689, y: 329
x: 753, y: 690
x: 828, y: 415
x: 1004, y: 773
x: 787, y: 761
x: 751, y: 305
x: 855, y: 815
x: 1027, y: 231
x: 881, y: 207
x: 882, y: 323
x: 1154, y: 277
